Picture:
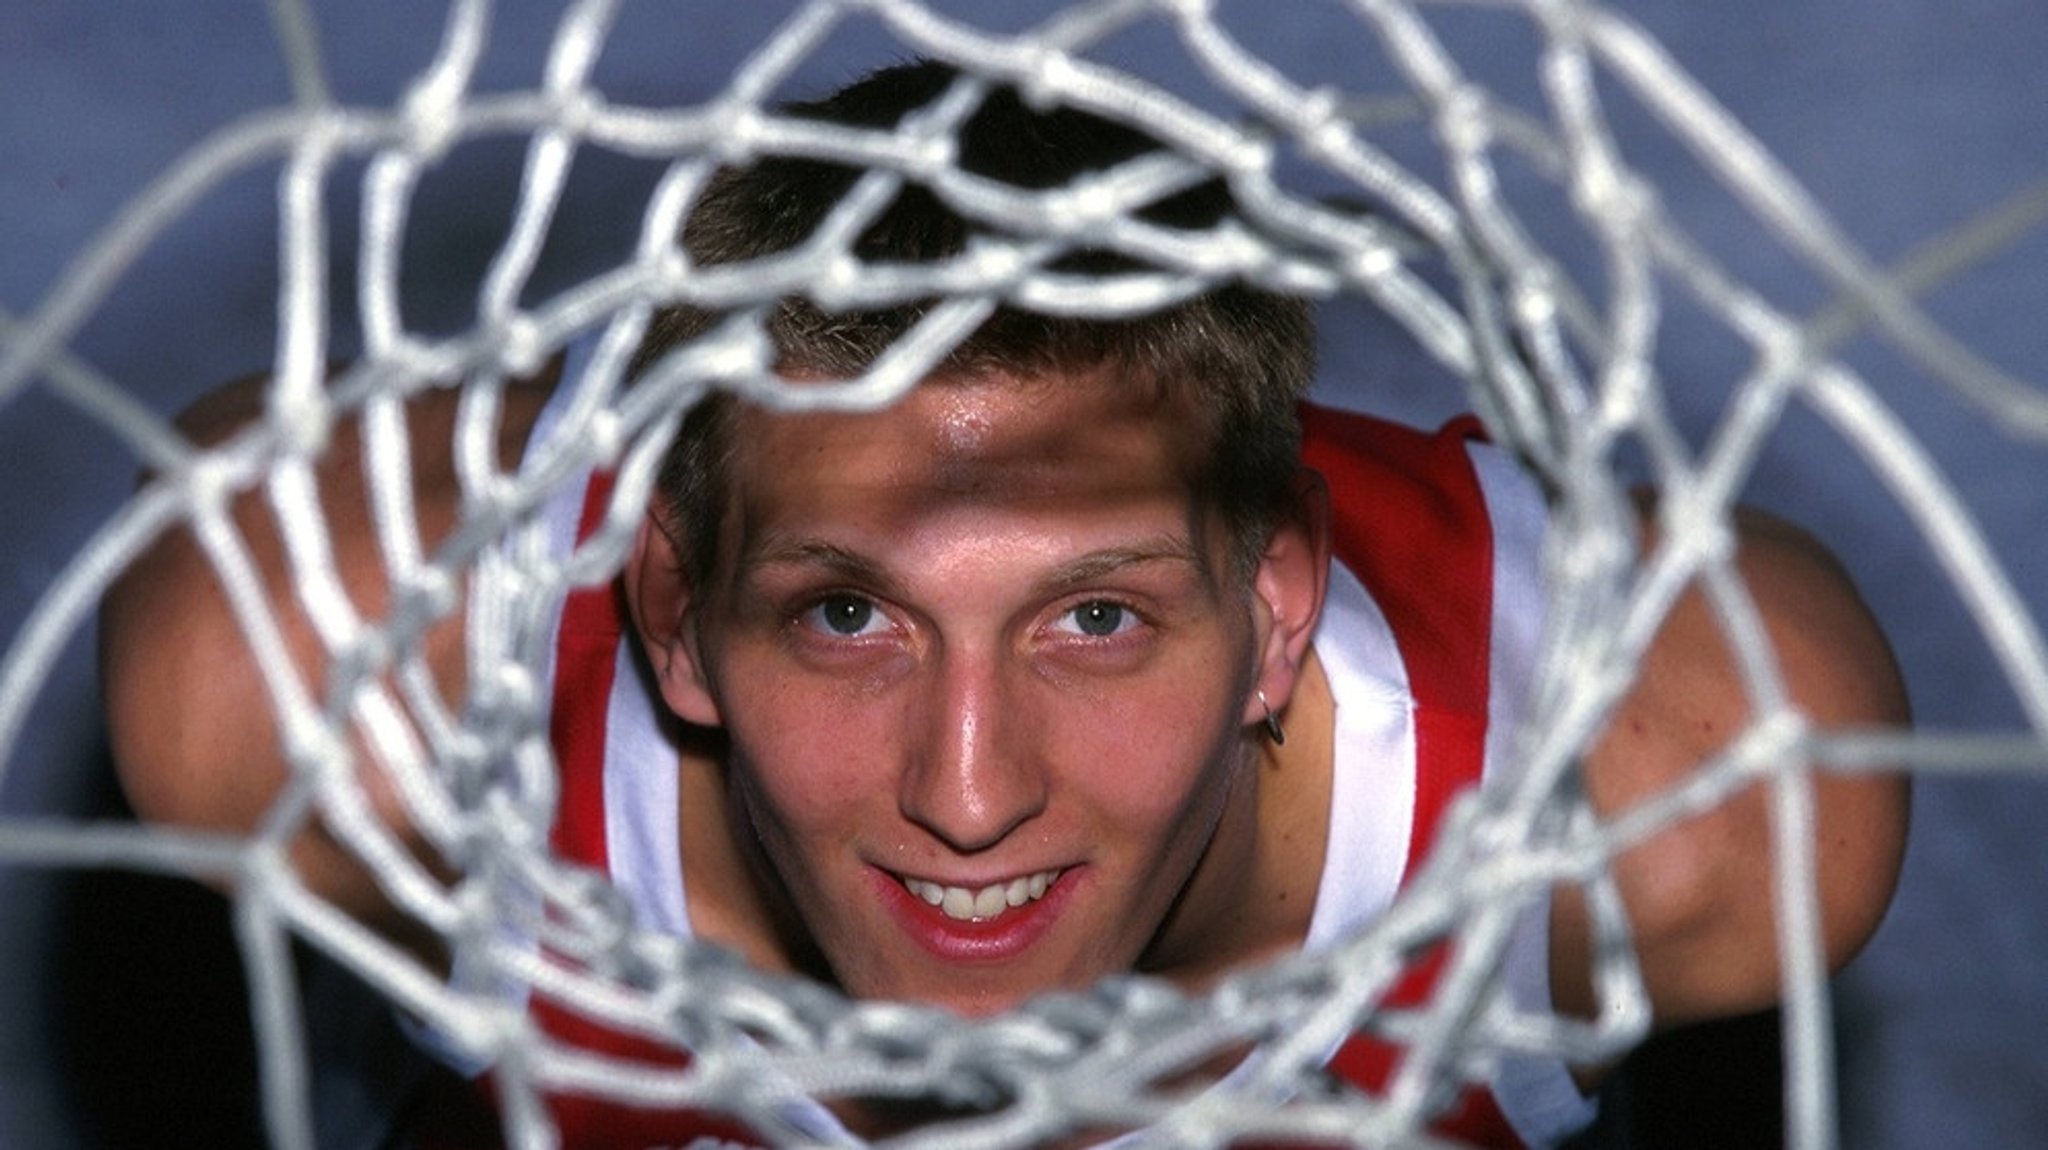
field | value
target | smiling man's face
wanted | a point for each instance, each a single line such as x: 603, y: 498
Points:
x: 986, y: 664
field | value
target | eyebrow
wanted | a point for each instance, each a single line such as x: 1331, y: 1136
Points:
x: 857, y: 568
x: 850, y: 565
x: 1096, y: 564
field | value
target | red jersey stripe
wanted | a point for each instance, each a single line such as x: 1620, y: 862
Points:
x: 586, y: 661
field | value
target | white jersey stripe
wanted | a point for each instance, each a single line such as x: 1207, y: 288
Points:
x: 1372, y: 787
x: 641, y: 801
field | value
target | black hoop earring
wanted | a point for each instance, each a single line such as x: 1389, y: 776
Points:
x: 1273, y: 730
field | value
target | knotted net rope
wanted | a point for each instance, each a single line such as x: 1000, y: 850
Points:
x: 1557, y: 348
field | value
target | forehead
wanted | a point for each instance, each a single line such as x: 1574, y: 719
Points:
x: 989, y: 440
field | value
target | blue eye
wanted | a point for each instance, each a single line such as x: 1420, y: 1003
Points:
x: 1098, y: 618
x: 845, y: 615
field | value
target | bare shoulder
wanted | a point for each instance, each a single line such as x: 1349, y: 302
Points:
x: 187, y: 706
x: 1700, y: 893
x: 1834, y: 661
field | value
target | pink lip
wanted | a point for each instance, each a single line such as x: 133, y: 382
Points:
x: 949, y: 939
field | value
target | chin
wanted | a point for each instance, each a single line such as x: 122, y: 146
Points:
x: 966, y: 1002
x: 968, y: 994
x: 988, y: 1005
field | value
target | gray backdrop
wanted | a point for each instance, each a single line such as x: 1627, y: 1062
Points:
x: 1905, y: 117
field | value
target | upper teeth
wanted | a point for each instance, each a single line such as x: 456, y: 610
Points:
x: 988, y: 902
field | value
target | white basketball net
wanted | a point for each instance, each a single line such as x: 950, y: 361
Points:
x: 1564, y: 373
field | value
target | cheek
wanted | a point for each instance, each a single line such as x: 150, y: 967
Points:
x: 1158, y: 759
x: 805, y: 767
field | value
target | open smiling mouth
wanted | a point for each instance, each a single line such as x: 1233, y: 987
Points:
x: 958, y: 902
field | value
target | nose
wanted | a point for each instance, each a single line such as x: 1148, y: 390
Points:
x: 973, y: 775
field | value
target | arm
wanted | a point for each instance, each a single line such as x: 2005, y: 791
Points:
x: 192, y: 733
x: 1700, y: 894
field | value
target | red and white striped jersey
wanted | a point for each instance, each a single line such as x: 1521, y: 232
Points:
x: 1428, y: 639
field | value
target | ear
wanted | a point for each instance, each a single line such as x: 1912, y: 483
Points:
x: 659, y: 598
x: 1288, y: 588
